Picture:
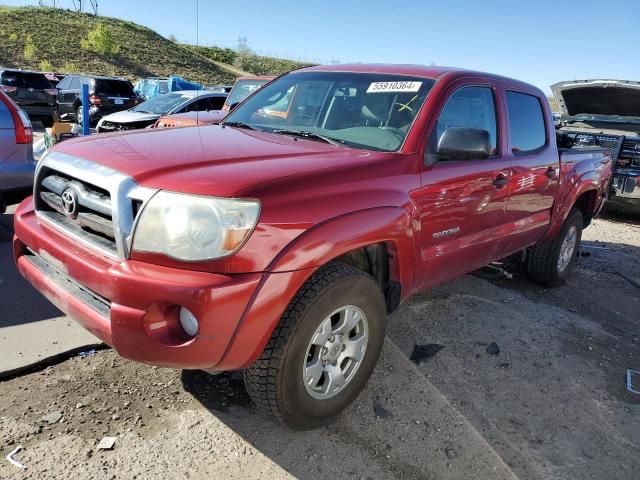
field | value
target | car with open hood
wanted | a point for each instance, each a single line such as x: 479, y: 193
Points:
x: 606, y: 113
x: 147, y: 113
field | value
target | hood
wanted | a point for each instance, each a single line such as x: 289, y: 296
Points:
x: 211, y: 159
x: 129, y: 116
x: 598, y: 97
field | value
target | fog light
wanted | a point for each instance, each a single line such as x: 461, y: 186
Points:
x: 189, y: 322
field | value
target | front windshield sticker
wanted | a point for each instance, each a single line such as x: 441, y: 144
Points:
x: 377, y: 87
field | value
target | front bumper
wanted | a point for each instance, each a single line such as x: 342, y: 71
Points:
x: 132, y: 306
x: 626, y: 184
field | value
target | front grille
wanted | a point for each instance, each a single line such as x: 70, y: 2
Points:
x: 609, y: 142
x: 93, y: 204
x: 629, y: 154
x: 91, y: 216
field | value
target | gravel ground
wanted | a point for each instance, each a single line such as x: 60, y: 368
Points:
x: 526, y: 383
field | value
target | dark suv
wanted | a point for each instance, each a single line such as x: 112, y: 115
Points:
x: 106, y: 95
x: 32, y: 92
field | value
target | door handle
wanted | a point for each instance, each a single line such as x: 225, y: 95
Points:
x: 500, y: 181
x: 550, y: 173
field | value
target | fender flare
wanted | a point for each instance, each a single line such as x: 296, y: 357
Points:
x: 339, y: 235
x: 302, y: 257
x: 579, y: 185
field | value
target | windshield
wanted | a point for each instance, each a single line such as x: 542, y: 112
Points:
x: 162, y: 104
x: 25, y: 80
x: 242, y: 89
x: 361, y: 110
x: 114, y: 88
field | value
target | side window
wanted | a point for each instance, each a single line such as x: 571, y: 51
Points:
x: 64, y: 83
x: 75, y: 83
x: 468, y: 107
x: 216, y: 103
x: 526, y: 122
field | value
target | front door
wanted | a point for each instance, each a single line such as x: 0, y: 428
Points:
x: 461, y: 202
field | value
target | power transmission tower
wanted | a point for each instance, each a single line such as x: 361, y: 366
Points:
x: 242, y: 44
x: 94, y: 6
x: 77, y: 4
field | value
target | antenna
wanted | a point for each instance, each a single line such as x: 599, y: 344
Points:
x: 197, y: 45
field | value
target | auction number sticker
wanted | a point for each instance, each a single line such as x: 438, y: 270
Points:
x: 394, y: 87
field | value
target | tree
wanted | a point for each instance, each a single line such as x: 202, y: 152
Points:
x: 100, y: 40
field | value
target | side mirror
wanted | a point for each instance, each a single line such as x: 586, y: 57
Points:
x: 462, y: 143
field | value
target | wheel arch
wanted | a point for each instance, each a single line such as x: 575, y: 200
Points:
x: 383, y: 233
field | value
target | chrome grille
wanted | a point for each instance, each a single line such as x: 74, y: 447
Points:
x: 93, y: 211
x: 104, y: 202
x: 608, y: 142
x: 629, y: 154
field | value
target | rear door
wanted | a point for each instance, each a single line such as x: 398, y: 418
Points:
x: 69, y: 90
x: 534, y: 170
x: 461, y: 202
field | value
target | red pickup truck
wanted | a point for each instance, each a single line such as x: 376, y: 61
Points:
x: 279, y: 244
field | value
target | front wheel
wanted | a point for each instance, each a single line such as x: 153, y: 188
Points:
x: 550, y: 263
x: 324, y: 349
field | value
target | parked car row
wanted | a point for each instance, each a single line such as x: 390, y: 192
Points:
x: 49, y: 96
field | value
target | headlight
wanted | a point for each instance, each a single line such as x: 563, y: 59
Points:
x: 194, y: 228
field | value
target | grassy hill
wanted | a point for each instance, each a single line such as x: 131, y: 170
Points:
x: 32, y: 37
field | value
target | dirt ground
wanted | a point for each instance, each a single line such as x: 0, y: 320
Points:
x: 548, y: 402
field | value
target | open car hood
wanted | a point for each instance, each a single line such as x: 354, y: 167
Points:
x: 598, y: 97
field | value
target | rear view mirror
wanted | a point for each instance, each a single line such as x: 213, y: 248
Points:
x: 463, y: 143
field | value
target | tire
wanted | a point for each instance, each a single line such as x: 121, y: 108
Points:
x: 275, y: 381
x: 79, y: 115
x: 47, y: 122
x: 543, y: 260
x: 3, y: 204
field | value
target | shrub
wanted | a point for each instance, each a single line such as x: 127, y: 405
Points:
x: 45, y: 66
x: 69, y: 67
x: 13, y: 37
x: 100, y: 40
x: 29, y: 51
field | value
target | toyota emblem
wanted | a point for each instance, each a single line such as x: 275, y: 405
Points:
x: 70, y: 203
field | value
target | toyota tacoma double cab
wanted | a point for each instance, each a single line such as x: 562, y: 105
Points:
x: 277, y: 245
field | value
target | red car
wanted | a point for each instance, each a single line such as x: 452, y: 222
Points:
x: 212, y: 117
x: 279, y: 244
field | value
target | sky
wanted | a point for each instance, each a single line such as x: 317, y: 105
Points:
x: 541, y: 42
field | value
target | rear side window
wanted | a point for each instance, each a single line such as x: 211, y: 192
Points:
x: 114, y: 88
x: 64, y: 83
x: 469, y: 107
x: 25, y: 80
x: 526, y: 122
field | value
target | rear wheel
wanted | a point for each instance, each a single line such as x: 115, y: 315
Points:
x: 550, y: 263
x: 323, y: 351
x: 79, y: 116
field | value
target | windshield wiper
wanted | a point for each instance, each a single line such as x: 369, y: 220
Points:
x: 309, y: 135
x: 240, y: 125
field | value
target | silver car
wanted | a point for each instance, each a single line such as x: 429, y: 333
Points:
x: 16, y: 149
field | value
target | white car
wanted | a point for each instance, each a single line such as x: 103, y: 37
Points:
x: 145, y: 114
